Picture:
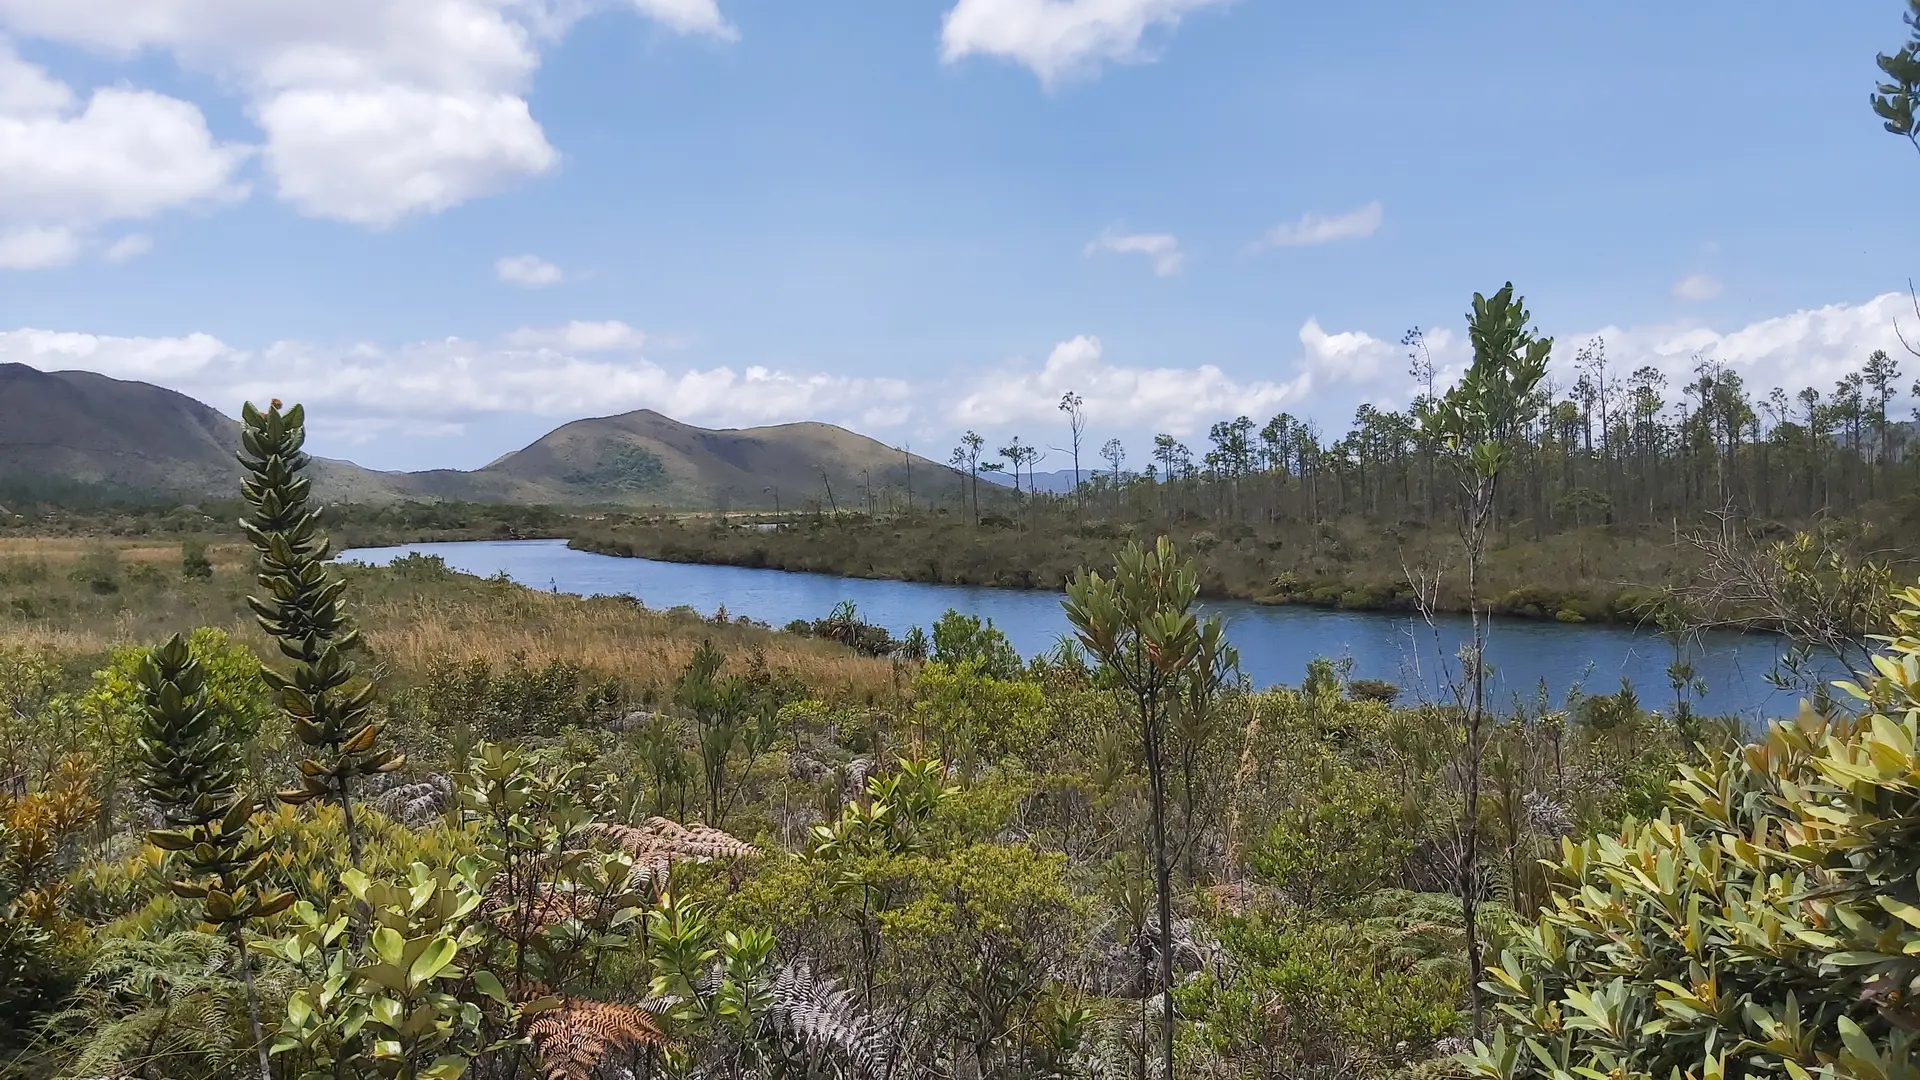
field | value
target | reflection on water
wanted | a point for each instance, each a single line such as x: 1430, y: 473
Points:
x: 1275, y: 643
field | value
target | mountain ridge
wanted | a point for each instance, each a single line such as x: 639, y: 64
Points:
x: 81, y: 430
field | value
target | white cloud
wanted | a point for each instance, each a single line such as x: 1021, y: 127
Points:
x: 67, y: 167
x: 372, y: 110
x: 1060, y: 39
x: 528, y: 270
x: 432, y: 386
x: 130, y: 246
x: 374, y: 156
x: 1812, y: 347
x: 689, y: 17
x: 1162, y: 248
x: 1315, y: 229
x: 1170, y: 399
x: 578, y: 336
x: 1696, y: 287
x: 37, y: 247
x: 593, y: 368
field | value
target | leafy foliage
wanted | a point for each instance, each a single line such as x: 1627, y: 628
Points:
x: 1897, y: 100
x: 1769, y: 924
x: 328, y: 704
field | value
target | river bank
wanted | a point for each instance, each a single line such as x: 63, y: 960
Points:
x: 1596, y: 575
x: 1276, y: 643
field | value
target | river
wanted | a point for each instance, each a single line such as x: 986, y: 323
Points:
x: 1275, y: 643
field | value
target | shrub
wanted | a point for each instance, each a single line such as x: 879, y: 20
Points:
x: 1379, y: 690
x: 194, y: 564
x: 99, y: 570
x: 1347, y: 839
x: 1308, y: 998
x: 958, y: 637
x: 1768, y: 925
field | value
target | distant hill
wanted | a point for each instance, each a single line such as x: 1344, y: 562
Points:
x: 68, y: 431
x: 76, y: 430
x: 644, y: 457
x: 1056, y: 482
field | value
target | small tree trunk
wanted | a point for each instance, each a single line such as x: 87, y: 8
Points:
x: 1163, y: 887
x: 347, y: 822
x: 253, y: 1002
x: 1476, y: 720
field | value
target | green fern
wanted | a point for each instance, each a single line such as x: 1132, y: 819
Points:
x: 167, y: 1007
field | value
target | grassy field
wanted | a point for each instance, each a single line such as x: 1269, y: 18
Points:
x: 83, y: 597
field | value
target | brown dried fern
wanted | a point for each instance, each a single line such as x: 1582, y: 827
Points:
x: 658, y: 844
x: 576, y: 1038
x: 548, y: 905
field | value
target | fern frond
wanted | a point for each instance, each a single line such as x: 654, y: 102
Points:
x: 657, y: 845
x: 817, y: 1021
x: 576, y: 1038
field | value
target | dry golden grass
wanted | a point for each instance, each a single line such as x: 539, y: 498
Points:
x: 408, y: 622
x: 605, y: 636
x: 62, y: 551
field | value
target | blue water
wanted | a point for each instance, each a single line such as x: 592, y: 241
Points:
x: 1275, y: 643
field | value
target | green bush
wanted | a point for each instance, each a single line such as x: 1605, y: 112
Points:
x: 1346, y: 839
x: 1313, y: 998
x: 194, y: 564
x: 958, y: 637
x: 1768, y: 925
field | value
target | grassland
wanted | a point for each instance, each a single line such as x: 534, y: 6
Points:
x: 83, y: 597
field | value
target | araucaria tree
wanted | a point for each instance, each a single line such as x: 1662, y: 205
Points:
x: 1141, y: 626
x: 1478, y: 421
x: 327, y: 702
x: 966, y: 459
x: 192, y: 776
x: 1075, y: 408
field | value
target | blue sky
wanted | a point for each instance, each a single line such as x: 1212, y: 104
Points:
x: 918, y: 217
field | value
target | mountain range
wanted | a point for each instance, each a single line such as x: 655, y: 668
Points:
x: 68, y: 432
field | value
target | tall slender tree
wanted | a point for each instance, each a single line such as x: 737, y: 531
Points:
x: 1141, y: 626
x: 1075, y: 409
x: 966, y: 458
x: 1479, y: 420
x: 327, y: 701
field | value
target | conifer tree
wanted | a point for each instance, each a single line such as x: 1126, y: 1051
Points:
x: 192, y: 776
x: 327, y: 702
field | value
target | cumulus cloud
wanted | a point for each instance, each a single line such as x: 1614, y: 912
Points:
x: 372, y: 110
x: 1315, y: 229
x: 689, y: 17
x: 1811, y: 347
x: 37, y: 247
x: 68, y: 166
x: 1172, y: 399
x: 130, y: 246
x: 1162, y: 248
x: 529, y: 270
x: 1060, y: 39
x: 1696, y: 287
x: 578, y: 336
x: 561, y: 373
x: 585, y: 368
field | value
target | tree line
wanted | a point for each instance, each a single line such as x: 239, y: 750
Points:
x: 1611, y: 446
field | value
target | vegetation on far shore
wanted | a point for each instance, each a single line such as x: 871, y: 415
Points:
x: 1592, y: 575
